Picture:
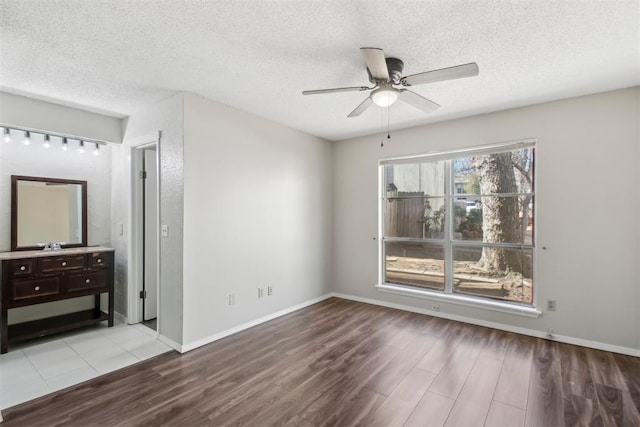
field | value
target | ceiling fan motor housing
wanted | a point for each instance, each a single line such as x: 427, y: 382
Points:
x: 395, y: 67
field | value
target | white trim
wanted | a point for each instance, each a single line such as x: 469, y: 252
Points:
x: 468, y: 301
x: 171, y: 343
x: 120, y: 318
x: 447, y: 295
x: 501, y: 326
x: 211, y: 338
x: 467, y: 151
x: 134, y: 277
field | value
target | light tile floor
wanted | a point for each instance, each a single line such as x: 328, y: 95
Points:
x: 41, y: 367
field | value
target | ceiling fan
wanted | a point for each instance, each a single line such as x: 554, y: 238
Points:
x: 385, y: 73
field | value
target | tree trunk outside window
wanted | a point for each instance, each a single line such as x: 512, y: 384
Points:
x: 500, y: 222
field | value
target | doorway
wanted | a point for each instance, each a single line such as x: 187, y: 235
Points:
x: 150, y: 238
x: 144, y: 278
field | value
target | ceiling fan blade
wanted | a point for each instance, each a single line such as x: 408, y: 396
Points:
x: 418, y: 101
x: 450, y: 73
x: 361, y: 108
x: 337, y: 89
x: 376, y: 63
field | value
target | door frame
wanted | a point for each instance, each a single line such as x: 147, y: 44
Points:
x: 136, y: 241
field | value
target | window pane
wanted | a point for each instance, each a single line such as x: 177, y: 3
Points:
x: 415, y: 217
x: 415, y: 264
x: 495, y: 219
x: 425, y: 178
x: 499, y: 273
x: 506, y: 172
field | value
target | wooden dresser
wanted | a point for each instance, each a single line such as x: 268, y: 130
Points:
x: 35, y: 277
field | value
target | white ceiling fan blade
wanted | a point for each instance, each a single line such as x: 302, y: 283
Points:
x: 450, y: 73
x: 337, y: 89
x: 361, y: 108
x: 376, y: 63
x: 418, y: 101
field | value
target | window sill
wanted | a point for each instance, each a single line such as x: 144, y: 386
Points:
x: 468, y: 301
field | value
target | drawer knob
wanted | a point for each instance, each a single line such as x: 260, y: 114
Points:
x: 99, y: 260
x: 87, y: 281
x: 23, y: 267
x: 64, y: 263
x: 37, y: 288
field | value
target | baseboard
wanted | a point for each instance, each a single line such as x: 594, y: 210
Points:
x: 171, y: 343
x: 120, y: 318
x: 501, y: 326
x: 211, y: 338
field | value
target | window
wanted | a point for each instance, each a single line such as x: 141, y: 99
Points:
x: 461, y: 223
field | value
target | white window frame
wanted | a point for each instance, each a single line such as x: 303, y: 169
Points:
x: 448, y: 296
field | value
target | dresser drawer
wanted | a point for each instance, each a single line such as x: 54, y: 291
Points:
x: 63, y: 263
x: 25, y: 289
x: 100, y: 259
x: 87, y: 281
x: 21, y: 267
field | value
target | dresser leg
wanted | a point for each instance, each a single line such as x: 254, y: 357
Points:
x: 111, y: 302
x: 4, y: 331
x: 96, y: 305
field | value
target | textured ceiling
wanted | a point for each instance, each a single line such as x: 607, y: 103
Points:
x: 257, y: 56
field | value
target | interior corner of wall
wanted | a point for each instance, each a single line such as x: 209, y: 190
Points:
x: 123, y: 128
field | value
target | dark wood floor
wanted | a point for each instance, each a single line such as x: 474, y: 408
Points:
x: 340, y: 363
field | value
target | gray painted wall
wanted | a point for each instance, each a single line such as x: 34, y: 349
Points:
x: 257, y: 213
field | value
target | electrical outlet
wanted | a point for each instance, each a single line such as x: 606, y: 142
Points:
x: 232, y: 299
x: 269, y: 290
x: 551, y: 305
x: 434, y: 308
x: 260, y: 293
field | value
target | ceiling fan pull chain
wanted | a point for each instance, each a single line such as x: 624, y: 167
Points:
x: 388, y: 121
x: 381, y: 127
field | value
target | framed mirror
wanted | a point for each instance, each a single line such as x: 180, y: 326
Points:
x: 47, y: 210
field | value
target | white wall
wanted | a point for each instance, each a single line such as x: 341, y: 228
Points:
x: 36, y: 160
x: 257, y: 212
x: 586, y: 206
x: 32, y: 113
x: 143, y: 127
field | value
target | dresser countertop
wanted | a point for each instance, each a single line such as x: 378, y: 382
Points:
x: 43, y: 253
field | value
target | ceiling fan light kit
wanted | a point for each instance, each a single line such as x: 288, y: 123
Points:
x: 384, y: 96
x: 384, y: 73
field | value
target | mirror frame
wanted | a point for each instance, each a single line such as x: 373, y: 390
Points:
x: 14, y: 210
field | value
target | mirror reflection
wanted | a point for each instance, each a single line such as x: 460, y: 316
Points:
x: 48, y: 211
